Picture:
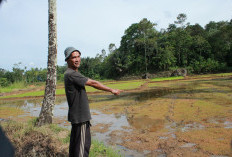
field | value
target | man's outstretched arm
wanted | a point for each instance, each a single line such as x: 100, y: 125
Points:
x: 100, y: 86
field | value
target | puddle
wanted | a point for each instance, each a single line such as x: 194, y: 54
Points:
x: 115, y: 122
x: 194, y: 125
x: 112, y: 121
x: 163, y: 138
x: 228, y: 125
x: 147, y: 123
x: 188, y: 145
x: 153, y: 93
x: 131, y: 153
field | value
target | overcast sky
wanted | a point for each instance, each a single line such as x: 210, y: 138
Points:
x: 89, y: 25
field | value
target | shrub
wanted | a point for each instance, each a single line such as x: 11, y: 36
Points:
x: 207, y: 66
x: 4, y: 82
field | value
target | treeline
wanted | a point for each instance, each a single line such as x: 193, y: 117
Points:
x: 21, y: 74
x: 144, y: 49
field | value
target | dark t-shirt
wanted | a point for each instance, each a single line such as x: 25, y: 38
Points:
x: 76, y: 96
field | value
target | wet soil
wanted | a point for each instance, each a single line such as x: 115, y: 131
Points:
x: 190, y: 117
x: 60, y: 86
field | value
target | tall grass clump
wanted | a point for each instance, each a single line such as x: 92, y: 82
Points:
x: 29, y: 140
x: 47, y: 140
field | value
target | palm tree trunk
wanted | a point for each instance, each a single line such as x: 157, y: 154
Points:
x: 46, y: 114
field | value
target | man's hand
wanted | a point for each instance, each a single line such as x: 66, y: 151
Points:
x: 116, y: 91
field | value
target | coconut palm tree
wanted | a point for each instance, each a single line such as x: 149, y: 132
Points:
x: 46, y: 114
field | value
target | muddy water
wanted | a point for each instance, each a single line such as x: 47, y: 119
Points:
x: 155, y: 120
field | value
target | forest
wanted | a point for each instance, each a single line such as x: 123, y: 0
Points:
x: 143, y: 49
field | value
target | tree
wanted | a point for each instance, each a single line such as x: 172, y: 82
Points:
x: 196, y: 30
x: 112, y: 48
x: 147, y: 32
x: 137, y: 47
x: 113, y: 64
x: 50, y: 90
x: 200, y: 48
x: 220, y: 38
x: 181, y: 40
x: 18, y: 72
x: 181, y: 18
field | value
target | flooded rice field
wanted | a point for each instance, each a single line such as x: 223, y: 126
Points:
x: 169, y: 118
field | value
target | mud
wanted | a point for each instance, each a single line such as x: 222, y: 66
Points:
x: 168, y: 121
x: 189, y: 117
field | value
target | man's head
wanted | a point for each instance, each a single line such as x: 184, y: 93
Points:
x: 68, y: 51
x: 72, y: 57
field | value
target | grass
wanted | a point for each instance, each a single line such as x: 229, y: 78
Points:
x: 122, y: 85
x: 55, y: 128
x: 167, y: 78
x: 99, y: 149
x: 19, y: 86
x: 212, y: 75
x: 126, y: 85
x: 27, y: 94
x: 14, y: 86
x: 47, y: 140
x: 5, y: 112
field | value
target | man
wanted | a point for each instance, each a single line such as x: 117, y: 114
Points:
x: 79, y: 112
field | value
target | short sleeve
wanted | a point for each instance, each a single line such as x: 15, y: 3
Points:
x: 78, y: 79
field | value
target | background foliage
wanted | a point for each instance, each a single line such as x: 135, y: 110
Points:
x: 144, y: 49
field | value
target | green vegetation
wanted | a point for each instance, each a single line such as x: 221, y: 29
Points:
x: 27, y: 94
x: 55, y: 128
x: 22, y: 75
x: 48, y: 140
x: 213, y: 75
x: 122, y: 85
x: 13, y: 86
x: 99, y: 149
x: 168, y: 78
x: 144, y: 49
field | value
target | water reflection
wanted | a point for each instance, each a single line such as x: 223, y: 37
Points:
x: 32, y: 107
x: 146, y: 123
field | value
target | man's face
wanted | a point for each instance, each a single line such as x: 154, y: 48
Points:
x: 74, y: 60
